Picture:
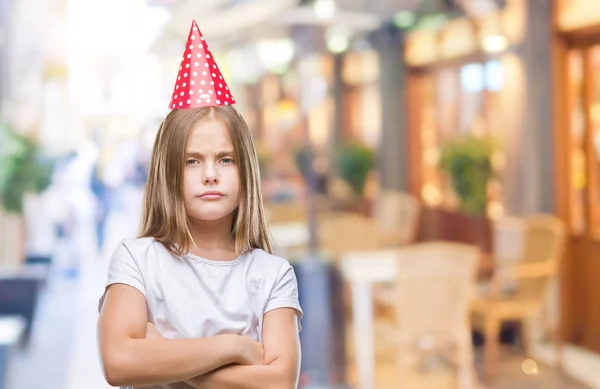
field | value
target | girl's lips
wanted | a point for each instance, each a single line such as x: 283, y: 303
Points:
x: 211, y: 195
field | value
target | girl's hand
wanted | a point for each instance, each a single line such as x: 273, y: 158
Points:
x: 248, y: 351
x: 152, y: 332
x: 251, y: 351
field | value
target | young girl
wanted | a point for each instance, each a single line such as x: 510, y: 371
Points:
x: 198, y: 300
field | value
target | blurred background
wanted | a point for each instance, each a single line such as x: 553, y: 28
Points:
x: 441, y: 159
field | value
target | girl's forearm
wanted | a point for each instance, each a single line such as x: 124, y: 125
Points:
x: 146, y: 362
x: 245, y: 377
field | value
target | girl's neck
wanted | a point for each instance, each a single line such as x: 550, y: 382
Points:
x: 212, y: 239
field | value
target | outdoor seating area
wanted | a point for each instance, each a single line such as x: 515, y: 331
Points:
x: 419, y: 301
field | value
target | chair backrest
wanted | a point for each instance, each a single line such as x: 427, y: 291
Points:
x: 286, y: 212
x: 346, y: 232
x: 397, y: 214
x: 434, y: 288
x: 543, y: 242
x: 508, y: 240
x: 544, y: 238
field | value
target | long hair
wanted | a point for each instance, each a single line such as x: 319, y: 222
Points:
x: 163, y: 210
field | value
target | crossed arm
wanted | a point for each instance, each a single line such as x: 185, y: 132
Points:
x: 281, y: 359
x: 130, y: 358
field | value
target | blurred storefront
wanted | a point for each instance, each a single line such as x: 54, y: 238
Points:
x: 528, y: 77
x: 577, y: 142
x: 331, y: 98
x: 531, y: 82
x: 456, y: 89
x: 477, y: 72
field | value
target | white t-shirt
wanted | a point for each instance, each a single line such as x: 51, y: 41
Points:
x: 191, y: 297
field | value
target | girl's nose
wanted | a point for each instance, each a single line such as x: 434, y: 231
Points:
x: 210, y: 175
x: 211, y: 180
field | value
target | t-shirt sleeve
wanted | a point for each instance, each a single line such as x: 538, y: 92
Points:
x: 285, y: 292
x: 123, y: 269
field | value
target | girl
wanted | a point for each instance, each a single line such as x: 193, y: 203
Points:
x: 198, y: 300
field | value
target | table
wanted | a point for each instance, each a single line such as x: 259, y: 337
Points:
x: 362, y: 270
x: 338, y: 232
x: 287, y: 236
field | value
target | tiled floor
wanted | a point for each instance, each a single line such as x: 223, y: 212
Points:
x: 510, y: 375
x: 62, y: 353
x: 44, y: 361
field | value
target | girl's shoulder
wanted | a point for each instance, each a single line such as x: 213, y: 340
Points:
x: 268, y: 262
x: 262, y: 255
x: 139, y: 243
x: 143, y: 247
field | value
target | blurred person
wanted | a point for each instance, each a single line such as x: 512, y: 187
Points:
x: 125, y: 188
x: 74, y: 208
x: 100, y: 189
x: 145, y: 143
x: 198, y: 299
x: 102, y: 192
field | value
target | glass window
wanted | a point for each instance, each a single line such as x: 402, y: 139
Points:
x: 454, y: 101
x: 494, y: 76
x: 593, y: 140
x: 471, y: 78
x: 577, y: 154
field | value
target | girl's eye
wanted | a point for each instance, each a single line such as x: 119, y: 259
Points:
x: 227, y: 160
x: 191, y: 162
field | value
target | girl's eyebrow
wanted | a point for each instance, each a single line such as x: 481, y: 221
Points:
x: 221, y: 153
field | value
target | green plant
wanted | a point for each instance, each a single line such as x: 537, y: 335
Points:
x: 23, y: 169
x: 468, y: 162
x: 355, y: 160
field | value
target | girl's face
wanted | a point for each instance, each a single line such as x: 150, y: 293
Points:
x: 211, y: 182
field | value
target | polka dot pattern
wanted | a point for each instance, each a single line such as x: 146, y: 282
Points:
x: 196, y: 80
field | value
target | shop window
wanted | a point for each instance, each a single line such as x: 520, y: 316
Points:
x: 577, y: 152
x: 494, y: 76
x: 471, y: 78
x: 592, y: 139
x: 455, y: 101
x: 583, y: 98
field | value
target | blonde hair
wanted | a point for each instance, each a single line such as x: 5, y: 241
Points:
x: 163, y: 211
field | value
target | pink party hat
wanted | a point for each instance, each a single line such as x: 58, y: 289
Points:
x: 199, y: 82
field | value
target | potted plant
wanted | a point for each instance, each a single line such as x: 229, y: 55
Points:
x: 355, y: 161
x: 468, y: 163
x: 23, y: 170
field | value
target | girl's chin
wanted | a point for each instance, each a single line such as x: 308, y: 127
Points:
x: 209, y: 216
